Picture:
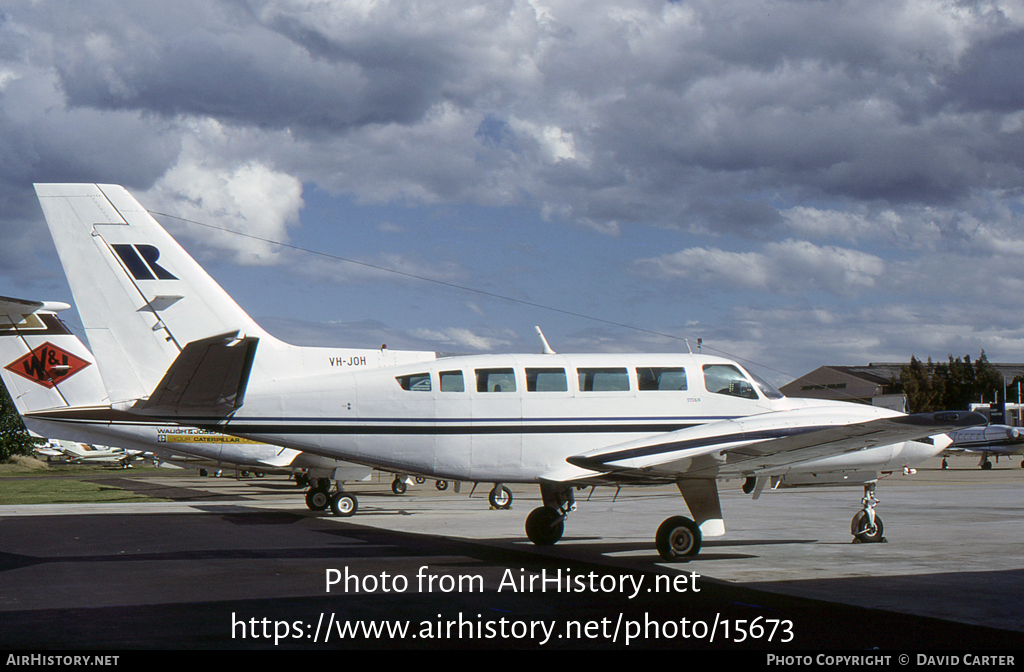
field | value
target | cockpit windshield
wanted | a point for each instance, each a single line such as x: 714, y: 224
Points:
x: 767, y: 389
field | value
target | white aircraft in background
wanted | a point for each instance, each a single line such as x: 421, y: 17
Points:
x: 174, y: 347
x: 76, y: 452
x: 49, y: 372
x: 988, y: 440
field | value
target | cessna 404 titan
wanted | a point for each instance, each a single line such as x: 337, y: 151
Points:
x: 172, y: 346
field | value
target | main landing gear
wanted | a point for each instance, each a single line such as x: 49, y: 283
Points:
x: 678, y: 538
x: 866, y: 526
x: 545, y: 524
x: 320, y: 498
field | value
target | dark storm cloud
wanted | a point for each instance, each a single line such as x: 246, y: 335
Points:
x: 990, y: 76
x: 672, y: 105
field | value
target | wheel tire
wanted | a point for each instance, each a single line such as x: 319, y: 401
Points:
x: 317, y: 500
x: 862, y: 531
x: 986, y: 465
x: 945, y: 463
x: 441, y: 485
x: 678, y: 538
x: 544, y: 526
x: 500, y: 498
x: 344, y: 504
x: 398, y: 487
x: 420, y: 480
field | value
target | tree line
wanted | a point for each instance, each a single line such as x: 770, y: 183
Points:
x: 951, y: 385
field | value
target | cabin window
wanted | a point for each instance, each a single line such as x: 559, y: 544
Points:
x: 603, y: 380
x: 495, y: 380
x: 661, y: 378
x: 417, y: 382
x: 451, y: 381
x: 546, y: 380
x: 727, y: 379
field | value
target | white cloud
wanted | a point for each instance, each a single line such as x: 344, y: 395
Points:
x: 459, y: 337
x: 249, y: 198
x: 789, y: 267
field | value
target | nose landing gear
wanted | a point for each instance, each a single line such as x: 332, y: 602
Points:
x: 866, y: 526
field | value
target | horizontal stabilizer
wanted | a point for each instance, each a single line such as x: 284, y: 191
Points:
x: 207, y: 379
x: 22, y: 307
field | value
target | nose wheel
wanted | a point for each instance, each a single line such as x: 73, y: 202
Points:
x: 866, y: 526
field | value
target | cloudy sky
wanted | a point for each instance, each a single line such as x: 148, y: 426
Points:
x: 796, y: 183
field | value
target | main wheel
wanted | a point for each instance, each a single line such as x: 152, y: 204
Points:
x: 420, y: 480
x: 398, y: 487
x: 678, y: 538
x: 544, y: 526
x: 441, y: 485
x: 344, y: 504
x: 986, y: 465
x: 861, y: 528
x: 500, y: 497
x: 317, y: 500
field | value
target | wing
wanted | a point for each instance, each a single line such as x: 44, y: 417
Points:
x: 765, y: 444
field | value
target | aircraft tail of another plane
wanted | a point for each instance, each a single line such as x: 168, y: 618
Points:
x: 43, y: 365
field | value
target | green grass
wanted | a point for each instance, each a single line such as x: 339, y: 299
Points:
x: 38, y: 483
x: 64, y: 490
x: 41, y: 469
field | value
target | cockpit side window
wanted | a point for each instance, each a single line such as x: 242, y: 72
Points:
x: 417, y: 382
x: 727, y: 379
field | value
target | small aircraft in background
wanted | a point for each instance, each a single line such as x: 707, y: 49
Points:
x: 988, y: 440
x: 74, y: 452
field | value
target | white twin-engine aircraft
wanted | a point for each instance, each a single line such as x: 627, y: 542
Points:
x: 172, y: 346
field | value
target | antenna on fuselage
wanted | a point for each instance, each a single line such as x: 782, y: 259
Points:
x: 544, y: 342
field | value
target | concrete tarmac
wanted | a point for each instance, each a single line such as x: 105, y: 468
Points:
x: 243, y: 564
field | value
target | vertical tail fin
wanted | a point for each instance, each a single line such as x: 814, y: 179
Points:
x: 43, y: 365
x: 141, y: 297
